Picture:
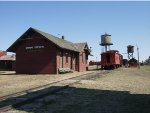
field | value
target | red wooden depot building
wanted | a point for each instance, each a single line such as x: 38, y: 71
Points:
x: 38, y: 52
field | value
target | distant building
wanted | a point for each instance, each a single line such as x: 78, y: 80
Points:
x: 94, y: 63
x: 39, y: 52
x: 2, y: 53
x: 7, y: 62
x: 133, y: 62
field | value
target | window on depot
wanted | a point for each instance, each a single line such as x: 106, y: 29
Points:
x: 77, y: 60
x: 82, y: 57
x: 66, y: 57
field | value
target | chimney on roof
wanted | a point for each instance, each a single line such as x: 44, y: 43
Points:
x: 63, y: 37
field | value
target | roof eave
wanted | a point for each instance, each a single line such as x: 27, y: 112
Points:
x: 11, y: 49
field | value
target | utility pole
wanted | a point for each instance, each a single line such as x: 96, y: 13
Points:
x: 138, y: 57
x: 96, y: 64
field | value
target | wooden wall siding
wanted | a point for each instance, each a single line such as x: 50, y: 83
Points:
x: 61, y: 60
x: 35, y: 54
x: 82, y: 62
x: 42, y: 61
x: 48, y: 59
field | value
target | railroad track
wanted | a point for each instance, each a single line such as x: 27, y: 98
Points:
x: 42, y: 91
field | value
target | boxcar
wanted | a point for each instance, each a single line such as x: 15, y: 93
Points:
x: 111, y: 59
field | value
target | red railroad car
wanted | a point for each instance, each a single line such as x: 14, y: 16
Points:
x: 111, y: 59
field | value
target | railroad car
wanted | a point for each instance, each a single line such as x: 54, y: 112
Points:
x: 111, y: 59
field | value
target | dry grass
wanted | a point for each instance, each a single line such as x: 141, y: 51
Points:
x: 123, y: 79
x: 125, y: 90
x: 12, y: 83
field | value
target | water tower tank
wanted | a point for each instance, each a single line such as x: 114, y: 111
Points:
x: 106, y: 40
x: 130, y: 49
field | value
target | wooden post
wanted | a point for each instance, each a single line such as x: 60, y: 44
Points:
x: 138, y: 57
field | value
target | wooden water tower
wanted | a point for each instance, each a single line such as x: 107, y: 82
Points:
x: 106, y: 41
x: 130, y: 51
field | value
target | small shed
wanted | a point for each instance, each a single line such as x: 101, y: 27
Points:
x: 7, y: 62
x: 2, y: 53
x: 133, y: 62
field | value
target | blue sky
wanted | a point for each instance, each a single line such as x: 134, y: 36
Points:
x: 128, y: 23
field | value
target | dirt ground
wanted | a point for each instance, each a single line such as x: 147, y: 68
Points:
x: 124, y: 90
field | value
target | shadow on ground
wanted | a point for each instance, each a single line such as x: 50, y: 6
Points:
x: 82, y: 100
